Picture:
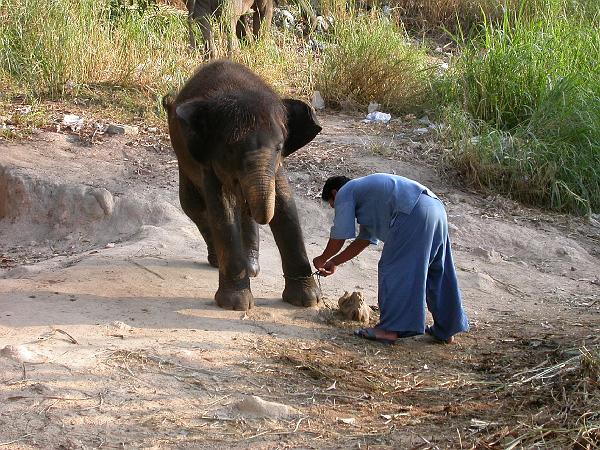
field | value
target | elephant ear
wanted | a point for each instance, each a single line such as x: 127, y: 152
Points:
x: 193, y: 117
x: 302, y: 124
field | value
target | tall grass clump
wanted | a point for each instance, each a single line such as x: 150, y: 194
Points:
x: 46, y: 44
x: 452, y: 15
x: 283, y: 61
x: 280, y: 57
x: 526, y: 114
x: 371, y: 59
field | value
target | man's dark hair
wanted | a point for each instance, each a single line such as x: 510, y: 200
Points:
x: 333, y: 183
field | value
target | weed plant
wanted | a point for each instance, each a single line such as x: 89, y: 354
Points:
x: 526, y: 119
x: 120, y: 56
x: 371, y: 59
x: 45, y: 46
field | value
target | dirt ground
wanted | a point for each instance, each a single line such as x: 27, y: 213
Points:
x: 110, y: 337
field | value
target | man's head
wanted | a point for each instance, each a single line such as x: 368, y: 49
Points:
x: 331, y: 188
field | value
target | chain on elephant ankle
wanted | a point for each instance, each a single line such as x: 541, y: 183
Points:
x: 306, y: 277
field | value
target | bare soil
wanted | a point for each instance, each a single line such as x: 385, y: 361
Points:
x: 110, y: 337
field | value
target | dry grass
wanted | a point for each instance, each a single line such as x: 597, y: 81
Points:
x: 563, y: 402
x: 430, y: 15
x: 369, y: 59
x: 491, y: 403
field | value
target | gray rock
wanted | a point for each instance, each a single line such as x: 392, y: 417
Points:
x: 424, y: 121
x: 317, y: 101
x: 254, y: 407
x: 488, y: 255
x: 122, y: 129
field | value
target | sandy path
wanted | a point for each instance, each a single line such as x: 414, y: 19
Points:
x: 111, y: 338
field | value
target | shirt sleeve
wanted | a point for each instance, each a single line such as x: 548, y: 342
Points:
x: 366, y: 235
x: 344, y: 222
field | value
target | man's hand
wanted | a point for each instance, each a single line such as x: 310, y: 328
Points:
x: 319, y: 262
x: 328, y: 268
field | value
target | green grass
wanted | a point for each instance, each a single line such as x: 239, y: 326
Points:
x: 521, y: 97
x: 107, y: 56
x: 524, y: 117
x: 45, y: 45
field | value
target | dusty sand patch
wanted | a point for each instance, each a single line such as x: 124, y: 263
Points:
x: 94, y: 245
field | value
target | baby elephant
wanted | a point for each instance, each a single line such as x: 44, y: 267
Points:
x: 230, y: 11
x: 230, y: 132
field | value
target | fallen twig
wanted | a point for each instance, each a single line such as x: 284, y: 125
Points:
x: 16, y: 440
x: 145, y: 268
x: 73, y: 340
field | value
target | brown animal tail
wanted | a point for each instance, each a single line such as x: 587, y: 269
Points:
x: 167, y: 102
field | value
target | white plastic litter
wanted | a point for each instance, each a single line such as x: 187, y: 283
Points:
x: 377, y: 116
x: 73, y: 122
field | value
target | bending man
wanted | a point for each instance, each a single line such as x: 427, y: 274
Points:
x: 416, y: 266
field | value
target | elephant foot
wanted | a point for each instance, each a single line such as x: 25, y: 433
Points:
x: 236, y: 300
x: 301, y: 291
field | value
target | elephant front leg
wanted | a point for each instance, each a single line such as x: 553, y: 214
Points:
x: 234, y: 283
x: 300, y: 286
x: 250, y: 239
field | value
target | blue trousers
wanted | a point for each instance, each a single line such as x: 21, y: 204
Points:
x: 416, y: 269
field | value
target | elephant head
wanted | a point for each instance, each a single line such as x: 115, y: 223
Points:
x: 243, y: 136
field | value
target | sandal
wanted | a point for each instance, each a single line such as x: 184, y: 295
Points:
x: 369, y: 334
x: 429, y: 331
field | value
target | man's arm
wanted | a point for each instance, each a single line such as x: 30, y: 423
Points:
x: 332, y: 248
x: 355, y: 248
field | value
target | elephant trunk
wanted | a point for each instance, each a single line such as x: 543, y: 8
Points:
x: 258, y: 188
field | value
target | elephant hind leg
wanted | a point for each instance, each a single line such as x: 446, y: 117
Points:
x: 263, y: 15
x: 194, y: 206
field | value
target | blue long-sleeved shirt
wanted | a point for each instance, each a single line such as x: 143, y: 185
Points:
x: 374, y: 202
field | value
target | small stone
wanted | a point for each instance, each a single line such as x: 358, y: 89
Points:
x: 121, y: 325
x: 453, y: 228
x: 348, y: 421
x: 424, y: 121
x: 122, y: 129
x: 317, y: 101
x: 110, y: 245
x: 257, y: 408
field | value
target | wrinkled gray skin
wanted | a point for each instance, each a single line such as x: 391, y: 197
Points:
x: 230, y: 132
x: 231, y: 11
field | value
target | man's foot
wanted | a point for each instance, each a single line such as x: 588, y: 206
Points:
x: 377, y: 334
x: 429, y: 331
x: 384, y: 336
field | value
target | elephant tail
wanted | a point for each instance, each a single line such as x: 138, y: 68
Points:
x: 167, y: 103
